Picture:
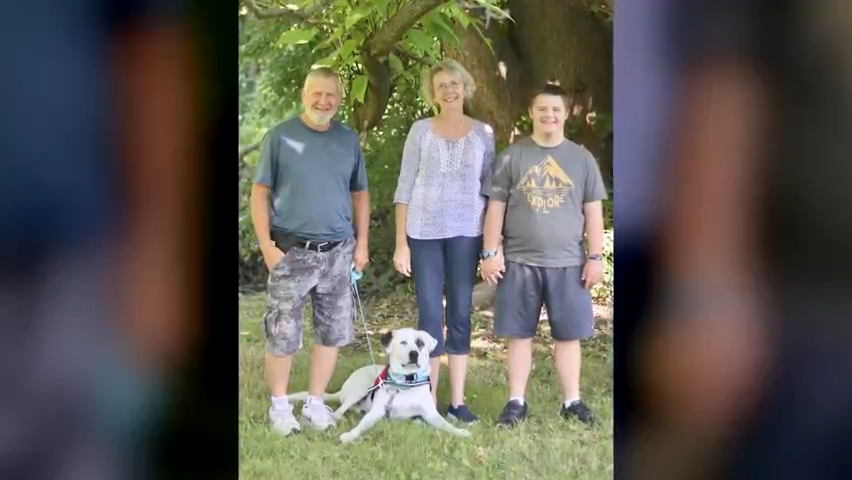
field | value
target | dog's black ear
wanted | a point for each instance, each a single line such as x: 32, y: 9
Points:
x: 386, y: 338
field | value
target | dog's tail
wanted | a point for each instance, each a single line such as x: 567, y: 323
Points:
x: 302, y: 396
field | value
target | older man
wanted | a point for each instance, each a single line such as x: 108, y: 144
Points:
x: 310, y: 179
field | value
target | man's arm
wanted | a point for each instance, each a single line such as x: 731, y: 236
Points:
x: 594, y: 192
x: 259, y: 206
x: 496, y: 187
x: 361, y: 213
x: 594, y: 226
x: 493, y: 228
x: 260, y: 190
x: 360, y: 200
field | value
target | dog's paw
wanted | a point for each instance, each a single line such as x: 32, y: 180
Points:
x: 348, y: 437
x: 463, y: 433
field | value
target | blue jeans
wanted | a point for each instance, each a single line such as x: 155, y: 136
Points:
x: 434, y: 262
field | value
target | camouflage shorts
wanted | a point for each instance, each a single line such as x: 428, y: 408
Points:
x: 324, y: 277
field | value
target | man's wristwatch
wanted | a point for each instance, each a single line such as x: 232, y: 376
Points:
x: 594, y: 257
x: 485, y: 254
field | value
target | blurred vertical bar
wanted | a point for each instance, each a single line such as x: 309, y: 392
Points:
x: 112, y: 217
x: 641, y: 97
x: 199, y: 438
x: 732, y: 156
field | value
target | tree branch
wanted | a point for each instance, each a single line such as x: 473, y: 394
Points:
x: 383, y: 41
x: 283, y: 12
x: 249, y: 148
x: 400, y: 52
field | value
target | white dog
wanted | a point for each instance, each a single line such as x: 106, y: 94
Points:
x: 400, y: 390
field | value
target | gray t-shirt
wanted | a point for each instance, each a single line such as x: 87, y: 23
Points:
x: 544, y: 189
x: 311, y: 175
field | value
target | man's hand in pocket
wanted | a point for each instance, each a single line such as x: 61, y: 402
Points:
x: 272, y: 256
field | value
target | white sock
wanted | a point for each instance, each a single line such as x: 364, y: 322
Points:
x: 517, y: 399
x: 571, y: 401
x: 312, y: 400
x: 280, y: 403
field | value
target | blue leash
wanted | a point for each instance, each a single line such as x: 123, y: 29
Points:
x: 353, y: 281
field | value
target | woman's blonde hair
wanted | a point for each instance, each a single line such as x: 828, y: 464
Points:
x: 453, y: 68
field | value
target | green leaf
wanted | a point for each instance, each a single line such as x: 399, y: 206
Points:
x: 297, y: 36
x: 331, y: 39
x: 359, y: 87
x: 344, y: 54
x: 442, y: 29
x: 329, y: 61
x: 421, y: 40
x: 455, y: 12
x: 396, y: 64
x: 380, y: 6
x: 357, y: 15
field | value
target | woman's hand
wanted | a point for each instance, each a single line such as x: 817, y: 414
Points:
x: 402, y: 260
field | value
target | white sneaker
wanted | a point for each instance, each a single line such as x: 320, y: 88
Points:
x: 317, y: 415
x: 283, y: 421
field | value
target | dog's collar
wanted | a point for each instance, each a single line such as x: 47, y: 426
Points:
x: 401, y: 381
x: 411, y: 380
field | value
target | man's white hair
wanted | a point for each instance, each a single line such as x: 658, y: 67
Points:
x: 322, y: 72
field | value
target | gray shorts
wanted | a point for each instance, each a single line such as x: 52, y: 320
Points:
x: 525, y: 288
x: 322, y: 276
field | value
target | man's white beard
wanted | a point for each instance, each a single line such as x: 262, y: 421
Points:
x: 319, y: 118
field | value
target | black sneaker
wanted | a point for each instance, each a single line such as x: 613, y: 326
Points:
x: 513, y: 414
x: 580, y: 411
x: 461, y: 414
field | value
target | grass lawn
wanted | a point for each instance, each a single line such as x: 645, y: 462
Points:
x: 545, y: 447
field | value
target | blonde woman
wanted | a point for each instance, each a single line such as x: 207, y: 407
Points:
x: 439, y: 215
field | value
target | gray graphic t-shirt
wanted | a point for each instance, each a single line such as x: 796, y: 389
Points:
x: 544, y: 189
